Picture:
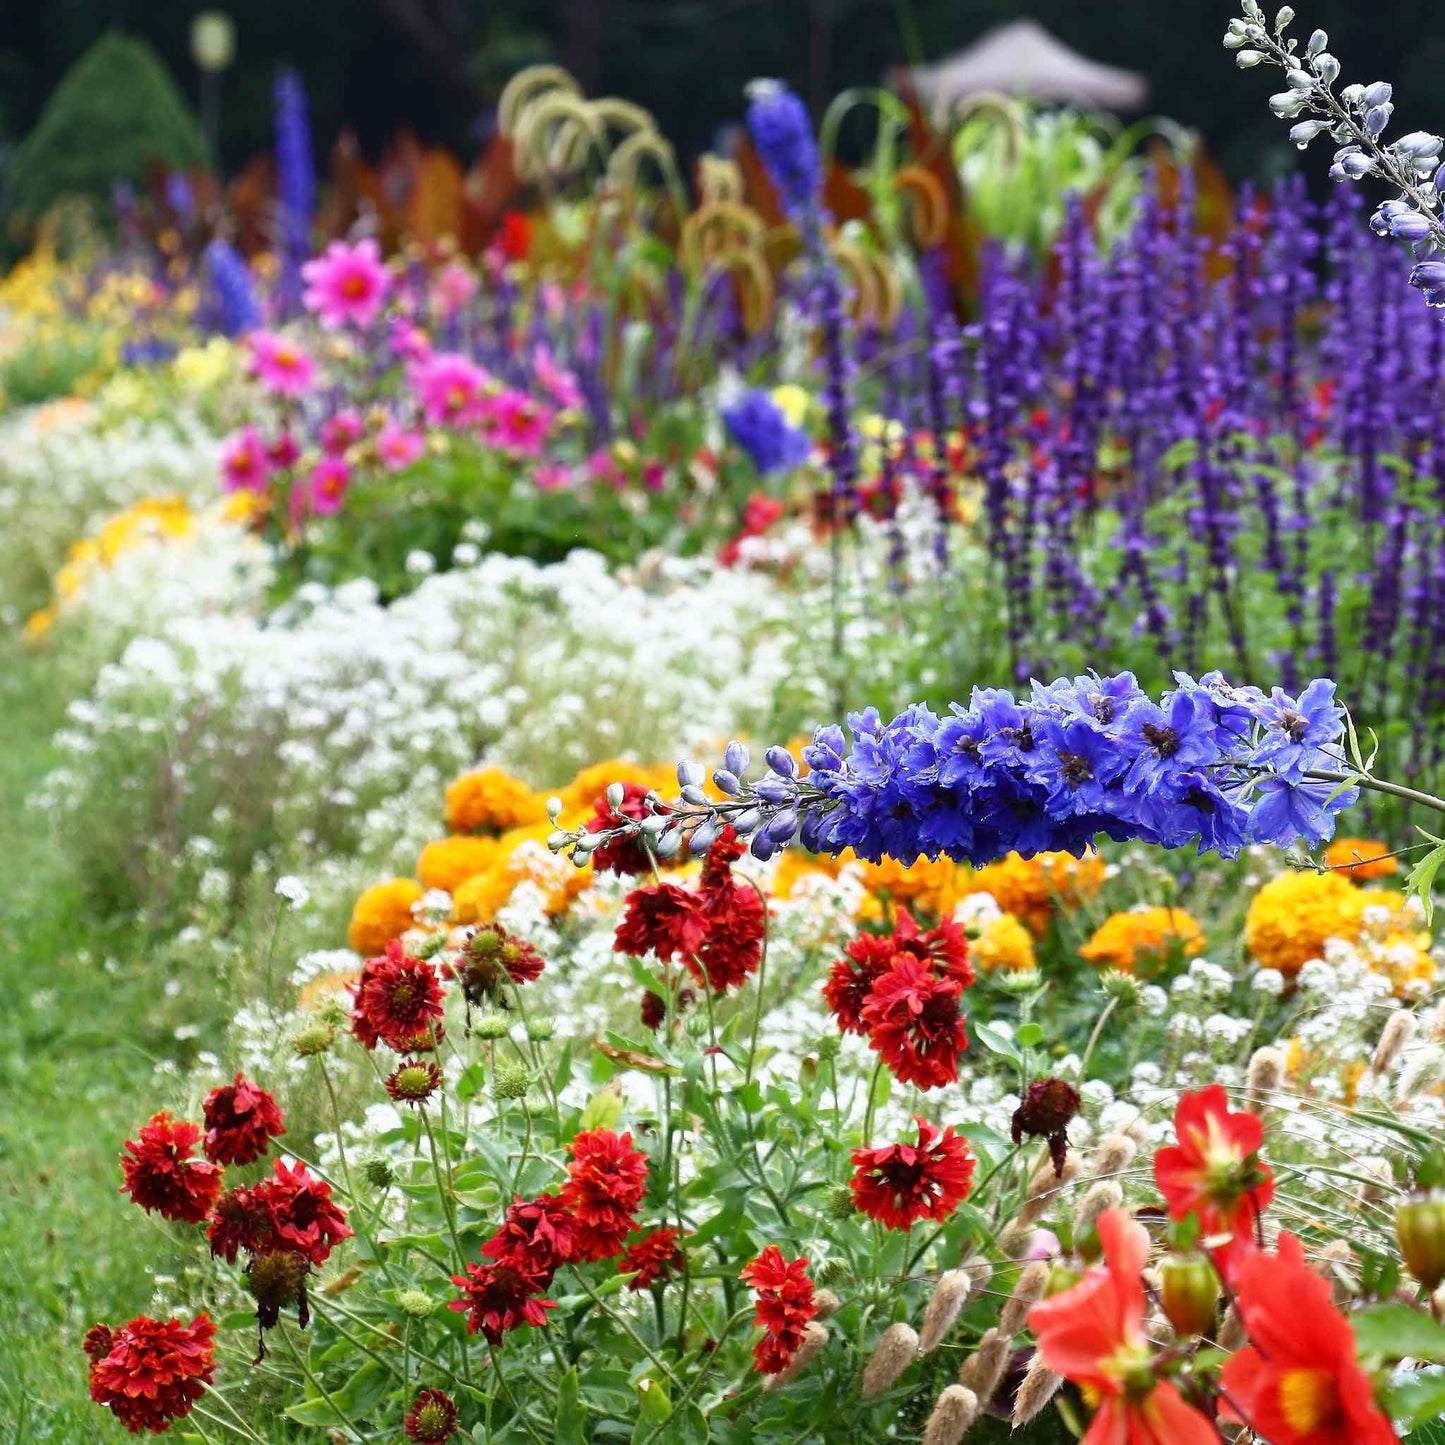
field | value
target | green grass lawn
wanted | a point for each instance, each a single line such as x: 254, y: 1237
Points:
x: 73, y: 1084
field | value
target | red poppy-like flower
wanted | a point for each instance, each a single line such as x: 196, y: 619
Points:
x: 398, y: 1002
x: 500, y: 1297
x: 241, y: 1120
x: 432, y: 1419
x: 514, y: 235
x: 163, y: 1174
x: 736, y: 920
x: 413, y: 1081
x: 538, y: 1236
x: 1093, y: 1334
x: 654, y: 1257
x: 1215, y: 1172
x: 303, y: 1216
x: 784, y: 1306
x: 606, y: 1181
x: 900, y: 1184
x: 154, y: 1371
x: 870, y: 955
x: 240, y: 1220
x: 492, y: 955
x: 914, y: 1022
x: 628, y: 854
x: 1298, y: 1381
x: 663, y: 919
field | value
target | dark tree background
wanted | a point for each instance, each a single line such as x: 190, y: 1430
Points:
x: 435, y: 65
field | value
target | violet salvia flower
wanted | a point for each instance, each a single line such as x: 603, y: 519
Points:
x: 782, y: 132
x: 757, y: 424
x: 295, y: 179
x: 1074, y: 760
x: 235, y: 293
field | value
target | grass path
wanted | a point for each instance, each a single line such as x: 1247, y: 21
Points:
x: 72, y: 1085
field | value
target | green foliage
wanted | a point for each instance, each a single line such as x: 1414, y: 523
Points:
x: 115, y: 115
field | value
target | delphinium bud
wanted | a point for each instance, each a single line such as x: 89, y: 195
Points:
x: 896, y: 1350
x: 1189, y: 1292
x: 1420, y: 1230
x: 953, y: 1416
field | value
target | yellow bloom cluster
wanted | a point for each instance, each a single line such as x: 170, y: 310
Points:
x: 382, y: 913
x: 491, y: 800
x: 1033, y: 888
x: 1142, y: 940
x: 1004, y: 944
x: 1361, y: 859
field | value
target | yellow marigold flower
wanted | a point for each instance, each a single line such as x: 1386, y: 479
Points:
x: 1290, y: 918
x: 1360, y: 859
x: 794, y: 402
x: 37, y: 625
x: 930, y: 885
x: 449, y: 862
x: 1004, y: 943
x: 478, y: 899
x: 579, y: 796
x: 243, y: 507
x: 491, y: 799
x: 382, y: 913
x: 1031, y: 888
x: 1145, y: 937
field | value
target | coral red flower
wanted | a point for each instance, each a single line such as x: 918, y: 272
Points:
x: 240, y: 1220
x: 623, y: 855
x: 241, y: 1120
x: 760, y: 512
x: 538, y: 1236
x: 514, y: 235
x: 302, y: 1214
x: 163, y: 1174
x: 900, y: 1184
x: 1298, y: 1382
x: 914, y: 1022
x: 1093, y: 1334
x: 491, y: 956
x: 870, y: 955
x: 1215, y: 1172
x: 499, y: 1297
x: 154, y: 1371
x: 432, y: 1419
x: 398, y: 1002
x: 736, y: 920
x: 663, y: 919
x: 606, y: 1181
x: 654, y: 1257
x: 784, y: 1306
x: 413, y: 1081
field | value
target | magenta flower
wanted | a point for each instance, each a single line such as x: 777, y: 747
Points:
x: 329, y: 480
x: 346, y: 285
x: 452, y: 289
x: 452, y: 390
x: 341, y: 432
x: 397, y: 447
x: 245, y: 466
x: 280, y: 364
x: 559, y: 383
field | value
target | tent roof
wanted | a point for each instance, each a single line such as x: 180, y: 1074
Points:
x: 1022, y: 58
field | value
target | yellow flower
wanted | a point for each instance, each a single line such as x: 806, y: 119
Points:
x: 933, y: 886
x: 1290, y: 918
x: 1031, y: 888
x: 1360, y: 859
x: 1004, y: 943
x: 38, y: 624
x: 478, y: 899
x: 794, y: 402
x: 449, y: 862
x: 382, y: 913
x: 1145, y: 937
x: 492, y: 799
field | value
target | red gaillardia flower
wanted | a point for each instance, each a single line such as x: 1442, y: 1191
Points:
x: 606, y: 1181
x: 736, y: 920
x: 398, y: 1002
x: 241, y: 1120
x: 432, y: 1419
x: 663, y: 919
x: 1215, y: 1172
x: 500, y: 1297
x: 628, y: 854
x: 1093, y: 1334
x: 538, y: 1236
x: 413, y: 1081
x: 914, y: 1021
x: 302, y: 1214
x: 491, y: 956
x: 1297, y: 1382
x: 153, y: 1371
x: 240, y: 1221
x: 900, y: 1184
x: 851, y: 978
x: 784, y: 1306
x: 163, y: 1174
x: 654, y: 1257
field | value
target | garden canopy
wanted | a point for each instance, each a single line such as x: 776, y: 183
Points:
x: 1022, y: 58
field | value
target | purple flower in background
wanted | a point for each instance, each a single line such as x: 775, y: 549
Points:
x: 295, y: 181
x: 783, y: 134
x: 235, y: 294
x: 757, y: 424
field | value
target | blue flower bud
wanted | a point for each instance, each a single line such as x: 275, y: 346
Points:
x: 702, y: 839
x: 1411, y: 227
x: 1299, y: 80
x: 1317, y: 43
x: 736, y: 758
x: 1428, y: 276
x: 690, y: 775
x: 1439, y: 181
x: 1357, y: 165
x: 782, y: 762
x: 1377, y: 94
x: 727, y: 782
x: 1377, y: 119
x: 762, y: 847
x: 1418, y: 143
x: 694, y: 796
x: 781, y: 829
x: 746, y: 822
x: 1303, y: 133
x: 1287, y: 104
x: 775, y: 791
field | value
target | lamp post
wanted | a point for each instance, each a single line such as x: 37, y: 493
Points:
x: 213, y: 48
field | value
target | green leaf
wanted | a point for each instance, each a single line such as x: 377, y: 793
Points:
x: 311, y: 1412
x: 571, y: 1417
x: 604, y: 1109
x: 1417, y: 1401
x: 1396, y: 1332
x: 472, y: 1081
x: 1030, y: 1036
x: 996, y: 1041
x: 1421, y: 881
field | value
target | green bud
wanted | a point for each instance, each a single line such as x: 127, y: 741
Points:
x: 832, y: 1272
x: 315, y: 1038
x: 540, y: 1030
x: 1189, y: 1292
x: 415, y: 1303
x: 829, y: 1046
x: 1420, y: 1229
x: 378, y: 1173
x: 1121, y: 986
x: 1018, y: 981
x: 840, y: 1203
x: 492, y: 1026
x: 510, y: 1080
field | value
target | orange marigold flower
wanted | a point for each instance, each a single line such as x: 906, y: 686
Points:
x: 1298, y: 1381
x: 1143, y: 940
x: 447, y: 863
x: 1032, y: 888
x: 382, y: 913
x: 1290, y: 918
x: 1093, y: 1334
x: 1361, y: 859
x: 492, y: 800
